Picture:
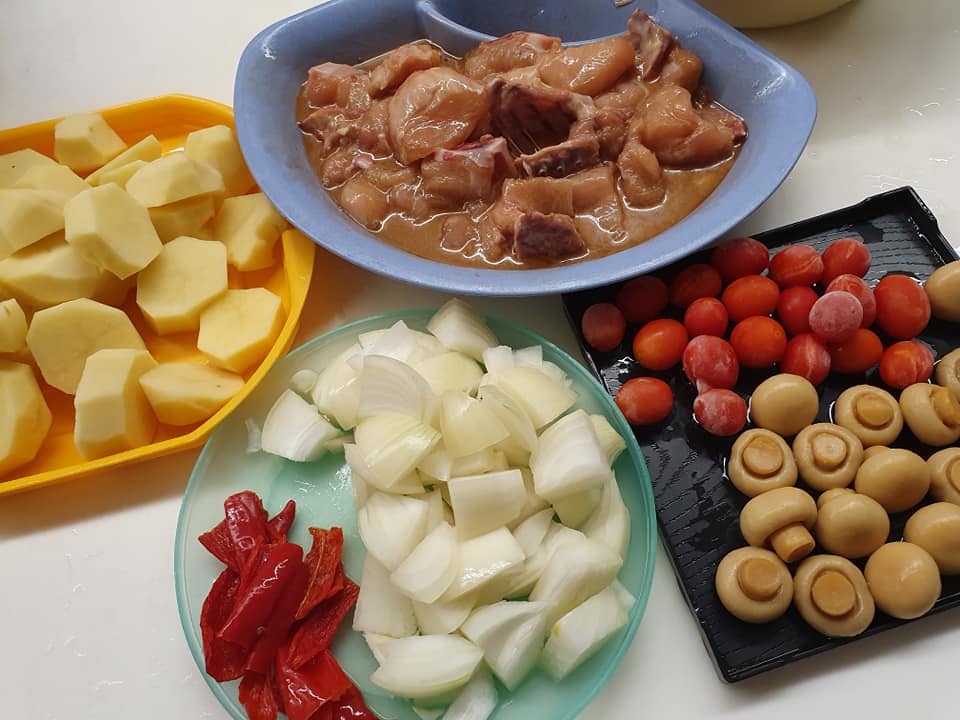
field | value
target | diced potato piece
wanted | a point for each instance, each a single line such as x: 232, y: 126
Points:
x: 24, y: 416
x: 13, y: 327
x: 61, y: 338
x: 14, y: 164
x: 113, y: 414
x: 186, y: 276
x: 172, y: 178
x: 249, y: 226
x: 85, y: 141
x: 112, y: 230
x: 184, y: 393
x: 184, y: 217
x: 58, y: 178
x: 27, y: 216
x: 144, y: 151
x: 238, y: 329
x: 217, y: 146
x: 121, y: 175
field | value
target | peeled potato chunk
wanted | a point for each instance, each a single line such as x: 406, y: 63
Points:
x: 186, y: 276
x: 172, y: 178
x: 62, y: 337
x: 113, y: 414
x: 184, y: 217
x: 238, y: 328
x: 112, y: 230
x: 14, y: 164
x: 13, y: 327
x: 184, y: 393
x: 144, y: 151
x: 58, y: 178
x: 217, y: 146
x: 24, y: 415
x: 28, y: 215
x: 121, y: 175
x: 85, y: 141
x: 249, y: 226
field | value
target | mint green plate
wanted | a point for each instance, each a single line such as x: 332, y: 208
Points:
x: 324, y: 498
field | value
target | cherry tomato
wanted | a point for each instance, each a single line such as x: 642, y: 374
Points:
x: 845, y: 256
x: 796, y: 265
x: 835, y: 317
x: 903, y: 308
x: 710, y: 362
x: 905, y: 363
x: 758, y: 341
x: 858, y: 354
x: 641, y: 299
x: 706, y: 316
x: 695, y: 281
x: 793, y: 308
x: 720, y: 412
x: 807, y: 357
x: 603, y: 326
x: 861, y: 291
x: 659, y: 344
x: 750, y: 295
x: 644, y: 400
x: 739, y: 257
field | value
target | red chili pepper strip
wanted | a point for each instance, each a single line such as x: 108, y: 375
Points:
x: 256, y: 695
x: 279, y: 524
x: 260, y: 594
x: 246, y: 523
x: 223, y: 660
x: 323, y: 561
x: 217, y: 541
x: 351, y: 707
x: 315, y: 634
x: 277, y: 628
x: 307, y: 690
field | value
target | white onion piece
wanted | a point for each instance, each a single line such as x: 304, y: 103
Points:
x: 522, y: 437
x: 438, y: 463
x: 523, y: 581
x: 391, y: 386
x: 476, y: 701
x: 529, y: 356
x: 610, y: 524
x: 468, y: 425
x: 499, y: 357
x: 379, y: 644
x: 381, y: 609
x: 539, y: 395
x: 624, y: 596
x: 532, y: 531
x: 400, y: 343
x: 391, y: 526
x: 444, y: 617
x: 568, y: 459
x: 482, y: 503
x: 407, y: 485
x: 392, y: 445
x: 459, y: 328
x: 254, y: 436
x: 450, y: 371
x: 511, y: 635
x: 575, y: 571
x: 293, y: 429
x: 573, y: 510
x: 359, y: 487
x: 609, y: 439
x: 335, y: 392
x: 427, y: 667
x: 533, y: 502
x: 428, y: 713
x: 441, y: 465
x: 554, y: 372
x: 430, y: 567
x: 303, y: 381
x: 436, y: 512
x: 483, y: 559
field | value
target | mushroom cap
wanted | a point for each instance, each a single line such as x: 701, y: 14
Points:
x: 945, y: 475
x: 947, y: 371
x: 831, y: 494
x: 873, y: 450
x: 765, y: 514
x: 831, y: 594
x: 904, y: 580
x: 851, y: 525
x: 827, y: 455
x: 754, y: 584
x: 784, y: 403
x: 760, y: 460
x: 936, y: 528
x: 932, y: 413
x: 870, y: 413
x: 943, y: 291
x: 898, y: 479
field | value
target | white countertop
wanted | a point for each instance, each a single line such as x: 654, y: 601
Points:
x: 87, y: 609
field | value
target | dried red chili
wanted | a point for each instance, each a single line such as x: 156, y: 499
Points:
x: 277, y: 626
x: 323, y: 561
x: 305, y: 690
x: 279, y: 524
x: 246, y: 521
x: 223, y: 660
x: 256, y: 696
x: 316, y: 632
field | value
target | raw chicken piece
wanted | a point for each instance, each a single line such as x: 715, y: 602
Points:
x: 651, y: 41
x: 453, y: 177
x: 364, y: 202
x: 518, y: 196
x: 459, y: 233
x: 400, y: 63
x: 341, y: 165
x: 530, y: 116
x: 588, y: 69
x: 719, y: 115
x: 594, y: 193
x: 329, y: 125
x: 553, y: 236
x: 641, y: 179
x: 615, y: 108
x: 386, y: 173
x: 682, y: 136
x: 334, y: 84
x: 562, y: 159
x: 514, y: 50
x: 682, y: 68
x: 373, y: 130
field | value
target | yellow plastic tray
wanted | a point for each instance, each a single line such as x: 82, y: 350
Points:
x: 170, y: 118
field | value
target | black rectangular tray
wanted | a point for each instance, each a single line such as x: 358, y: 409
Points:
x: 697, y: 507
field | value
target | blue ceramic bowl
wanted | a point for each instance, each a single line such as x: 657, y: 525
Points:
x: 774, y: 99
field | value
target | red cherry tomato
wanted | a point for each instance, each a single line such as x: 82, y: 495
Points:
x: 706, y: 316
x: 845, y: 256
x: 603, y: 326
x: 739, y: 257
x: 905, y: 363
x: 861, y: 291
x: 750, y: 295
x: 858, y: 354
x: 903, y: 308
x: 695, y: 281
x: 835, y: 317
x: 644, y: 400
x: 659, y: 344
x: 642, y: 298
x: 807, y: 357
x: 793, y: 309
x: 796, y: 265
x: 720, y: 412
x: 758, y: 341
x: 710, y: 362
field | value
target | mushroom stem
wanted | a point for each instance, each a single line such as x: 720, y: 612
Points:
x: 792, y: 542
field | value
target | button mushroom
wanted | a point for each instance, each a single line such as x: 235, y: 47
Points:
x: 780, y: 518
x: 874, y: 450
x: 897, y: 479
x: 754, y: 585
x: 831, y: 594
x: 945, y: 475
x: 936, y: 528
x: 932, y: 413
x: 850, y: 524
x: 784, y: 403
x: 943, y: 291
x: 870, y: 413
x: 827, y: 455
x: 947, y: 372
x: 760, y: 461
x: 903, y: 579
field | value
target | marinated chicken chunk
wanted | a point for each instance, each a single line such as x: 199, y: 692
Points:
x: 681, y: 135
x: 588, y: 69
x: 334, y: 84
x: 651, y: 42
x: 454, y: 177
x: 400, y: 63
x: 514, y: 50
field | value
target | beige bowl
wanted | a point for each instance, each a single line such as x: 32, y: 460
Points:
x: 772, y: 13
